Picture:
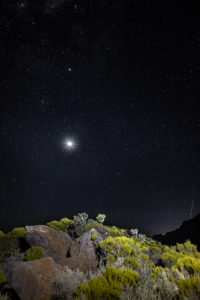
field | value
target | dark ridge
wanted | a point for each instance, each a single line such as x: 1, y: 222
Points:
x: 188, y: 230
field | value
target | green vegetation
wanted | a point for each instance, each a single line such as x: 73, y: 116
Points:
x: 101, y: 218
x: 93, y: 236
x: 108, y: 286
x: 34, y: 253
x: 63, y: 224
x: 3, y: 277
x: 2, y: 234
x: 81, y: 218
x: 189, y: 287
x: 131, y: 265
x: 16, y: 233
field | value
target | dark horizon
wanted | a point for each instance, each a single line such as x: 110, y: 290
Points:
x: 120, y: 81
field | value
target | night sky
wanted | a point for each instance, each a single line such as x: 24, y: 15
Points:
x: 121, y: 80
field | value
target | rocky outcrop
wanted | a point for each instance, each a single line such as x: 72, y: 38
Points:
x: 82, y: 253
x: 33, y: 280
x: 55, y: 243
x: 76, y: 254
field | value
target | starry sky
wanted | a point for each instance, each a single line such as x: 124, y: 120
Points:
x: 121, y: 79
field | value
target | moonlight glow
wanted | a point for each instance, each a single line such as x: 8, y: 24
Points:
x: 69, y: 144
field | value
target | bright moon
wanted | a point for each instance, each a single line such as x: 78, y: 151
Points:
x: 69, y: 144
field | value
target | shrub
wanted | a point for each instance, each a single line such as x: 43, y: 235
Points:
x: 93, y: 236
x: 190, y: 264
x: 66, y: 282
x: 108, y: 286
x: 81, y: 218
x: 66, y: 221
x: 17, y: 232
x: 131, y: 262
x: 118, y: 246
x: 4, y: 296
x: 57, y: 225
x: 134, y: 232
x: 189, y: 287
x: 9, y: 249
x: 3, y: 277
x: 114, y: 231
x: 101, y: 218
x: 2, y: 234
x: 34, y: 253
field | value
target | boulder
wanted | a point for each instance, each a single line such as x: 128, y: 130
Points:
x: 33, y: 280
x: 55, y: 243
x: 82, y: 253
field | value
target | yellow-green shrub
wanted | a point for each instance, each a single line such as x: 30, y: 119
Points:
x: 108, y: 286
x: 189, y: 287
x: 2, y: 234
x: 34, y: 253
x: 93, y: 236
x: 131, y: 262
x: 114, y: 231
x: 66, y: 221
x: 189, y: 263
x: 57, y: 225
x: 17, y: 232
x: 119, y: 246
x: 3, y: 277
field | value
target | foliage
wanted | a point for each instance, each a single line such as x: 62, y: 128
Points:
x: 4, y: 296
x: 190, y: 264
x: 189, y: 287
x: 63, y: 224
x: 114, y: 231
x: 66, y: 282
x: 34, y: 253
x: 17, y: 232
x: 57, y: 225
x: 118, y: 246
x: 134, y: 232
x: 101, y: 218
x: 108, y: 286
x: 3, y: 277
x: 81, y: 218
x: 2, y: 234
x: 131, y: 262
x: 93, y: 236
x: 9, y: 249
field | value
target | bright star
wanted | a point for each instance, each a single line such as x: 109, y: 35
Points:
x: 70, y: 144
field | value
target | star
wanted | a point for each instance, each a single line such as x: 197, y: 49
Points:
x: 70, y: 144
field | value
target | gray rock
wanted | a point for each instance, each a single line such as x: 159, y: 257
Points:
x: 83, y: 252
x: 56, y: 243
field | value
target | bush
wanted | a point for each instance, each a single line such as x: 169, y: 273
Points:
x: 190, y: 264
x: 4, y: 296
x: 108, y: 286
x: 93, y: 236
x: 16, y: 233
x: 131, y: 262
x: 2, y: 234
x: 66, y: 282
x: 114, y: 231
x: 81, y: 218
x: 189, y: 287
x: 101, y: 218
x: 3, y: 277
x: 118, y: 246
x: 34, y: 253
x: 57, y: 225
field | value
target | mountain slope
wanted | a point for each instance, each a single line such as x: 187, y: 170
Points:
x: 188, y: 230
